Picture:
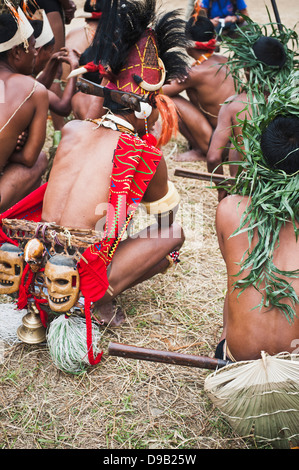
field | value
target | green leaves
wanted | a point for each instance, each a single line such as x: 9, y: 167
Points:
x: 274, y: 198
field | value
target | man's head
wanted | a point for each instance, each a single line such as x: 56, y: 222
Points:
x: 280, y: 144
x: 270, y: 51
x: 201, y: 29
x: 8, y: 29
x: 45, y: 42
x: 136, y: 52
x: 267, y: 55
x: 17, y: 42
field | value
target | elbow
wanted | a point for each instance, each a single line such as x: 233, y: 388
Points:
x: 214, y: 159
x: 63, y: 108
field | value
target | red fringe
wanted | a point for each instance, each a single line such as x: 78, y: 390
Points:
x: 169, y: 118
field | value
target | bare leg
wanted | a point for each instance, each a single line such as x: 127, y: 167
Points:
x: 225, y: 313
x: 195, y: 127
x: 136, y: 260
x: 18, y: 181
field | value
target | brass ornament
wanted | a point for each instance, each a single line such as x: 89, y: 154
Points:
x: 11, y: 268
x: 32, y: 330
x: 63, y: 283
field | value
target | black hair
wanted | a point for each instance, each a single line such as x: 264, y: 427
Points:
x: 8, y: 28
x: 270, y: 51
x: 201, y: 30
x: 97, y: 7
x: 280, y: 144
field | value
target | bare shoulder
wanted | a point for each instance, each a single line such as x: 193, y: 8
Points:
x: 231, y: 207
x: 221, y: 59
x: 74, y: 129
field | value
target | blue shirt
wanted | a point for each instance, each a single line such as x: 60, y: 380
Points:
x: 222, y: 8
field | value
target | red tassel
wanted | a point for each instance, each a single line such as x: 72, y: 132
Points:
x: 92, y: 360
x: 150, y: 139
x: 43, y: 315
x: 24, y: 287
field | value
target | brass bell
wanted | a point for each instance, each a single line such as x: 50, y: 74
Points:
x: 32, y: 330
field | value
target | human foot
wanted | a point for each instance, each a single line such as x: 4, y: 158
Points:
x: 190, y: 156
x: 109, y: 315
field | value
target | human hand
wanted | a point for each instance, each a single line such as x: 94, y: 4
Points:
x: 215, y: 20
x: 71, y: 57
x: 230, y: 19
x: 21, y: 141
x: 69, y: 9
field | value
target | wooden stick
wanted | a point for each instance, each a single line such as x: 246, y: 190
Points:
x: 277, y: 17
x: 201, y: 175
x: 168, y: 357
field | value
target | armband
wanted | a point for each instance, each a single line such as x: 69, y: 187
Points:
x: 166, y: 203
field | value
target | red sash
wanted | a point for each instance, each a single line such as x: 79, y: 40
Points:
x: 134, y: 164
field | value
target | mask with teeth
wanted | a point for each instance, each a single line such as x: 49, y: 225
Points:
x: 11, y: 268
x: 63, y: 283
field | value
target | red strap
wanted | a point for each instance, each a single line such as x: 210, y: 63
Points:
x: 92, y: 360
x: 95, y: 15
x: 206, y: 46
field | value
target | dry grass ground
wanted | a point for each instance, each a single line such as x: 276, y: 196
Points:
x: 127, y: 404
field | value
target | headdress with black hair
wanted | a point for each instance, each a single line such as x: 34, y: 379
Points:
x: 125, y: 24
x: 137, y: 51
x: 267, y: 53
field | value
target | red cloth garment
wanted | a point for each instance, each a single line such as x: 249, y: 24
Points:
x: 29, y: 208
x: 134, y: 164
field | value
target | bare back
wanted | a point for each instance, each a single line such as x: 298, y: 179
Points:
x: 79, y: 180
x: 79, y: 183
x: 210, y: 86
x: 248, y: 329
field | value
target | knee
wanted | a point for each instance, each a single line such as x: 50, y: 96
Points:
x: 213, y: 159
x: 178, y: 235
x: 42, y: 162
